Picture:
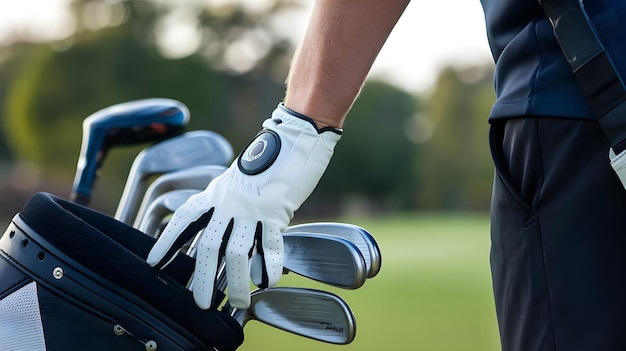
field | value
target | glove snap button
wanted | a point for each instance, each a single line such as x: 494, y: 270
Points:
x: 260, y: 154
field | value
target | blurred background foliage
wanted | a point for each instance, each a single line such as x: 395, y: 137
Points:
x: 401, y: 151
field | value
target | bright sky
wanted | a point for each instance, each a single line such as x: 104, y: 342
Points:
x: 430, y: 35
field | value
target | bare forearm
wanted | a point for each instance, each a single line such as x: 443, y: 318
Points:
x: 339, y: 48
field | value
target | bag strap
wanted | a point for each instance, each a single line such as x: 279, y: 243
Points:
x: 592, y: 66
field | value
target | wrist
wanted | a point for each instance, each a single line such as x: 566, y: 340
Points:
x: 320, y: 126
x: 320, y: 114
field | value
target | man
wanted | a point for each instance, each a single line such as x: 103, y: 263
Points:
x: 557, y: 261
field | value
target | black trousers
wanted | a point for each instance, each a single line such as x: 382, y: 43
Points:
x: 558, y: 228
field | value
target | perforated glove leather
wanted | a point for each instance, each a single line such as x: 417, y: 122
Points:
x: 243, y: 211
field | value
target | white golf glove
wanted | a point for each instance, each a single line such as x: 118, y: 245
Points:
x: 246, y: 208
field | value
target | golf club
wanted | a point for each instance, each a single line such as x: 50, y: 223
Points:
x: 160, y: 208
x: 357, y: 235
x: 189, y: 178
x: 327, y: 259
x: 315, y: 314
x: 186, y: 150
x: 123, y: 124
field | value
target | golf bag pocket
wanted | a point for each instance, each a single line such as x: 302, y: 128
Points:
x: 74, y: 279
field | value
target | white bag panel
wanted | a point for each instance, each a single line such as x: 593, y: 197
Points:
x: 20, y: 321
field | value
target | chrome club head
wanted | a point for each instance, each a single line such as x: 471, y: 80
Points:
x: 325, y: 258
x: 197, y: 177
x: 161, y: 208
x: 186, y: 150
x: 363, y: 240
x: 315, y: 314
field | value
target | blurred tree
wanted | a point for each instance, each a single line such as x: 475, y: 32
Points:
x: 455, y: 170
x: 372, y: 166
x: 57, y: 90
x: 116, y: 58
x: 9, y: 65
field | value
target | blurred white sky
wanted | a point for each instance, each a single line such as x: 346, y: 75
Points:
x: 430, y: 35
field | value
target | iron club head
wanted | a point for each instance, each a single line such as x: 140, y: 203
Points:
x: 190, y: 149
x: 328, y: 259
x: 197, y: 177
x: 363, y: 240
x: 315, y: 314
x: 161, y: 207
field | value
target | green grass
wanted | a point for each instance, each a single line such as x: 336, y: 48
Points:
x: 433, y: 291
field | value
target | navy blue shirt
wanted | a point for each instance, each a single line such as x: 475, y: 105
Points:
x: 532, y: 77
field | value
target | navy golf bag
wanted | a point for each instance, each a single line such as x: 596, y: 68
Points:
x: 74, y: 279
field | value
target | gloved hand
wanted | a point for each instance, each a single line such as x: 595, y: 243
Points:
x: 246, y: 208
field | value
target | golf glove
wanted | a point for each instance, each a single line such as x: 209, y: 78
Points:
x: 243, y: 212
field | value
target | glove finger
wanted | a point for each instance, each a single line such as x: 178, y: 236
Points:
x: 211, y: 247
x: 187, y: 221
x: 256, y: 268
x: 237, y: 257
x: 269, y: 244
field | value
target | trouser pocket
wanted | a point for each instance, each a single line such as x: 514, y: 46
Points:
x: 516, y: 154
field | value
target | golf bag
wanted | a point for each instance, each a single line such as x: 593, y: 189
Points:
x: 74, y: 279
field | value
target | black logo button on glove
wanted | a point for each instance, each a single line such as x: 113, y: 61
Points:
x: 260, y: 154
